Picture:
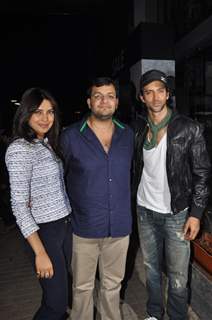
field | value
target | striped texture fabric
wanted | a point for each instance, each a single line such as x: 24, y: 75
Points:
x: 37, y: 186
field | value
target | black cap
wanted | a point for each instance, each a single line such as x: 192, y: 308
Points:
x: 153, y: 75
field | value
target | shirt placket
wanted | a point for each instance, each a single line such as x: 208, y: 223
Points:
x: 110, y: 192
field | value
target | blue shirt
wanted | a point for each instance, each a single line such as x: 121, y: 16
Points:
x: 98, y: 183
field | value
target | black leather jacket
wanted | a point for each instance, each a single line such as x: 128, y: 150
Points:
x: 187, y: 163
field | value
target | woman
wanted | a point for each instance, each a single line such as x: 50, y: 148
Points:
x: 39, y: 199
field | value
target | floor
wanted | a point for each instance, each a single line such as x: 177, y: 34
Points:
x: 20, y: 292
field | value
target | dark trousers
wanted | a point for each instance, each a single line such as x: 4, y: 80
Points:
x: 57, y: 239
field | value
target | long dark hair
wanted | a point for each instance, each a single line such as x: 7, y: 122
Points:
x: 30, y: 102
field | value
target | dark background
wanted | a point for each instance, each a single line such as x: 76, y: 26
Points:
x: 57, y: 45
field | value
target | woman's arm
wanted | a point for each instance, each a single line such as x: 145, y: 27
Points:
x: 19, y: 161
x: 19, y: 164
x: 43, y: 265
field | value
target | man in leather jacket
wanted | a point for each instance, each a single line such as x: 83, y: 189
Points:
x: 171, y: 170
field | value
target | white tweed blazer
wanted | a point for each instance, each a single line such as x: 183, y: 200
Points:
x: 37, y: 186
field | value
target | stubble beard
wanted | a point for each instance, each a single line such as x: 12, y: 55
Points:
x: 153, y: 110
x: 102, y: 117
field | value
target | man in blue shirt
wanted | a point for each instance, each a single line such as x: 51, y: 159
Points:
x: 98, y: 153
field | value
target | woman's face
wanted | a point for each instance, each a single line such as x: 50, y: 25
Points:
x: 42, y: 119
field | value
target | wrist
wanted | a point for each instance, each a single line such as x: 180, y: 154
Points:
x: 40, y: 252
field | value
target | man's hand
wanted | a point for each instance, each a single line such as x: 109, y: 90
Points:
x: 191, y: 228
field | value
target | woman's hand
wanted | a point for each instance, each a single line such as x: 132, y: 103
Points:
x: 43, y: 265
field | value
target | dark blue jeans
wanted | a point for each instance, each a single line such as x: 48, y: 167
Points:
x: 162, y: 233
x: 57, y: 239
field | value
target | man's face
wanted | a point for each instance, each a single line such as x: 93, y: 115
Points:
x: 103, y: 102
x: 155, y: 96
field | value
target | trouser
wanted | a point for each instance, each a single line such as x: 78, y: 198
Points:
x: 161, y: 233
x: 110, y: 256
x: 57, y: 239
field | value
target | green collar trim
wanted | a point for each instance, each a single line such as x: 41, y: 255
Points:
x: 83, y: 126
x: 119, y: 124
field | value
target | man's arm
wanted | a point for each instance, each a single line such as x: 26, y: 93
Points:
x: 200, y: 167
x: 200, y: 163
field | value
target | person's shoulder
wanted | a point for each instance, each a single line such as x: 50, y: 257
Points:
x: 19, y: 149
x: 186, y: 126
x: 186, y: 121
x: 19, y: 144
x: 71, y: 128
x: 122, y: 126
x: 128, y: 129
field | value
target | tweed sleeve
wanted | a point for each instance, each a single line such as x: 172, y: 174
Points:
x: 19, y: 164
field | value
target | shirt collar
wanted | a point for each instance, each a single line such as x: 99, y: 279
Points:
x: 115, y: 121
x: 43, y: 141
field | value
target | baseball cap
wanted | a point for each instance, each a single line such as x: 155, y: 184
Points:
x: 153, y: 75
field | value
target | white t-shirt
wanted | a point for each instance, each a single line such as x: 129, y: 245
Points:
x: 153, y: 190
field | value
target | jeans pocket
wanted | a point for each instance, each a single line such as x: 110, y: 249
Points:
x: 142, y: 213
x: 181, y: 217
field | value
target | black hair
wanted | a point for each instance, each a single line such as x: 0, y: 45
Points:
x: 165, y: 86
x: 103, y: 81
x: 30, y: 102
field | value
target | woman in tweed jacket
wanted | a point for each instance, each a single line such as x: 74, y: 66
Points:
x: 39, y: 199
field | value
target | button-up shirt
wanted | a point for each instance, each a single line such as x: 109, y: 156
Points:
x: 98, y: 183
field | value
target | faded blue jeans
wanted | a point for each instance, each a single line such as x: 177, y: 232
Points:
x: 162, y: 234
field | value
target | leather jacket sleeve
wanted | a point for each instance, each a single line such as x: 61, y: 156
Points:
x: 200, y: 163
